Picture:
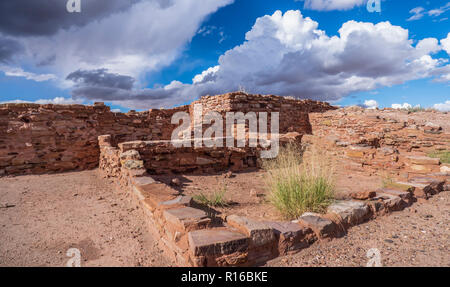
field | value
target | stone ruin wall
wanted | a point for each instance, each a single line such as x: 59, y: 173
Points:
x: 36, y: 139
x: 293, y: 113
x: 381, y: 142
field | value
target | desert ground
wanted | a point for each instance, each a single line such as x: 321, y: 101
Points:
x: 49, y: 214
x: 42, y: 216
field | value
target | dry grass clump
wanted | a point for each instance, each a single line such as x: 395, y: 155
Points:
x: 298, y: 183
x: 215, y: 199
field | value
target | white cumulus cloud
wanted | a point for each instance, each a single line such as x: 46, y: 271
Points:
x: 371, y: 104
x: 328, y: 5
x: 286, y: 54
x: 143, y: 36
x: 19, y: 72
x: 444, y: 107
x: 404, y: 106
x: 446, y: 44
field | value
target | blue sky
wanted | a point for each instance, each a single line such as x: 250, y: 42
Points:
x: 219, y: 28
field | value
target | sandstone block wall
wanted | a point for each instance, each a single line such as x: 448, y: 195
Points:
x: 161, y: 157
x: 38, y: 139
x: 380, y: 141
x: 293, y: 113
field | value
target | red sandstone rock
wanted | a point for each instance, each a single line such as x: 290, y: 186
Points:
x: 216, y: 242
x: 291, y: 236
x: 260, y: 233
x: 323, y: 227
x: 363, y: 195
x: 186, y: 218
x: 351, y: 212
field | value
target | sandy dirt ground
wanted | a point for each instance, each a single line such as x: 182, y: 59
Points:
x: 416, y: 236
x: 42, y: 216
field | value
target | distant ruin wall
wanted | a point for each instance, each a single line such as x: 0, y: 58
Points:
x: 37, y: 139
x: 293, y: 113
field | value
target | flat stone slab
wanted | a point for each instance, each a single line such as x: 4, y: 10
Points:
x: 424, y: 190
x: 143, y: 180
x: 406, y: 196
x: 210, y: 242
x: 351, y: 212
x: 291, y: 236
x: 186, y: 216
x: 156, y: 193
x: 412, y: 184
x: 259, y: 232
x: 390, y: 202
x: 362, y: 195
x: 178, y: 201
x: 141, y: 184
x: 321, y: 226
x: 423, y: 180
x: 423, y: 160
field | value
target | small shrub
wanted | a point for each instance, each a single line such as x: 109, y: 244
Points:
x: 444, y: 156
x: 296, y: 185
x: 416, y: 109
x: 216, y: 199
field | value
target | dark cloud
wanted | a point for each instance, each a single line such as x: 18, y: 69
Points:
x: 8, y: 48
x: 101, y: 78
x: 46, y: 17
x: 100, y: 85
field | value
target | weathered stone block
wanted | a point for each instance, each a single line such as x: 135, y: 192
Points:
x: 404, y: 195
x: 363, y: 195
x: 177, y: 202
x: 321, y: 226
x: 351, y: 212
x: 425, y: 188
x: 355, y: 154
x: 214, y: 242
x: 132, y: 164
x: 259, y: 232
x: 390, y: 202
x: 423, y: 160
x: 422, y: 168
x: 156, y: 193
x: 130, y: 155
x: 291, y: 236
x: 186, y: 218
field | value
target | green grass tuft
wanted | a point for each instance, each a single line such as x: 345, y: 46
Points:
x: 216, y: 199
x: 296, y: 186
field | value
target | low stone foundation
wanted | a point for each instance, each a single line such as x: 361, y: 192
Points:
x: 190, y: 235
